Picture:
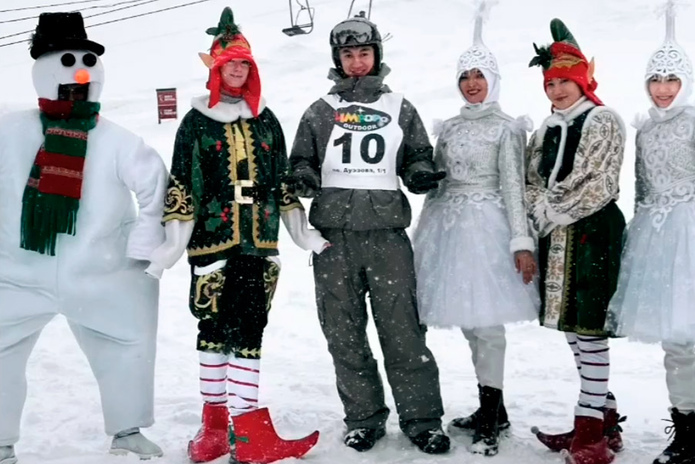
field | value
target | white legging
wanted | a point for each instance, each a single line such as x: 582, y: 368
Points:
x: 488, y: 346
x: 591, y: 354
x: 679, y: 361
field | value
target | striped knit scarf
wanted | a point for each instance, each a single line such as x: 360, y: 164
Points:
x: 52, y: 195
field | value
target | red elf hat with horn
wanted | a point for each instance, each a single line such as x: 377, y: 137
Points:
x: 230, y: 44
x: 563, y: 59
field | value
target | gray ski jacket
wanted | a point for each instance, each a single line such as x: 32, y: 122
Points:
x: 353, y: 209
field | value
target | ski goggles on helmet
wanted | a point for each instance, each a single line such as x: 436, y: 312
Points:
x: 353, y: 32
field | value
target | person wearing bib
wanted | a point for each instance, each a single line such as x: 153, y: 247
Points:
x: 473, y: 246
x: 352, y: 148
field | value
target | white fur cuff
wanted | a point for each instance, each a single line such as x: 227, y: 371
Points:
x: 522, y: 244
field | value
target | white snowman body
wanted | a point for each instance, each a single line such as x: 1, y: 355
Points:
x: 96, y: 278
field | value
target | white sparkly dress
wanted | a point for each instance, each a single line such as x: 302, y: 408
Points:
x: 655, y: 299
x: 473, y: 223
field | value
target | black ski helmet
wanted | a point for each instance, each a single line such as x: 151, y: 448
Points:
x: 355, y: 32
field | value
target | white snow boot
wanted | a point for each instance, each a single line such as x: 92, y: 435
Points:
x: 7, y: 455
x: 132, y: 441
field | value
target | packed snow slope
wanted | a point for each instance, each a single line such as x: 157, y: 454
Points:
x: 62, y: 421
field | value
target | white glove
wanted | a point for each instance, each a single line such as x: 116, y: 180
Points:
x: 178, y: 234
x: 305, y: 238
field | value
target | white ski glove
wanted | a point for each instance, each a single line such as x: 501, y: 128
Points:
x: 305, y: 238
x: 178, y: 234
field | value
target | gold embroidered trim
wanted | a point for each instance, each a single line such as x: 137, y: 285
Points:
x: 212, y: 249
x: 253, y: 170
x: 555, y: 277
x: 214, y: 347
x: 569, y: 253
x: 178, y: 200
x: 270, y: 282
x: 176, y: 216
x: 248, y: 354
x: 208, y: 289
x: 233, y: 176
x: 291, y: 206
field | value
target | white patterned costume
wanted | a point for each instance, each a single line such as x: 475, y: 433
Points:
x: 473, y: 223
x: 655, y: 294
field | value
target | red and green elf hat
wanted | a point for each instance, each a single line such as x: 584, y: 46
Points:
x: 230, y: 44
x: 563, y: 59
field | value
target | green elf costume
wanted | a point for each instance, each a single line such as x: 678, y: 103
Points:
x: 224, y: 204
x: 573, y: 165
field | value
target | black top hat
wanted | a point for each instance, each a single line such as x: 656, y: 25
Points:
x: 61, y: 31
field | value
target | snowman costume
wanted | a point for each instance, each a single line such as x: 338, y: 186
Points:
x: 71, y: 242
x: 468, y: 232
x: 654, y: 298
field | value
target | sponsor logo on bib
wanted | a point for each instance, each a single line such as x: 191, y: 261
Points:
x: 360, y: 119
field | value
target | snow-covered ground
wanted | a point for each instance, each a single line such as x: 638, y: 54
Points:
x: 62, y: 422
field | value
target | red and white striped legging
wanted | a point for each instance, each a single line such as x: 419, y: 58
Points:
x: 227, y: 379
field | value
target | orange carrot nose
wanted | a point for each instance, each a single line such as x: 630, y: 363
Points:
x: 82, y: 76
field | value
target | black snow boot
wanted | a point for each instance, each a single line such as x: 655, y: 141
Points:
x: 363, y: 439
x: 486, y: 438
x: 682, y: 448
x: 468, y: 424
x: 432, y: 441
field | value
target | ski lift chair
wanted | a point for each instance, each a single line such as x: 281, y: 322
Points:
x: 297, y: 28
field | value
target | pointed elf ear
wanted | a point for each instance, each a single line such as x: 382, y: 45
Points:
x: 590, y: 71
x: 208, y: 60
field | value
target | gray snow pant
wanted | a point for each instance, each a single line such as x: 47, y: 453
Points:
x: 378, y: 262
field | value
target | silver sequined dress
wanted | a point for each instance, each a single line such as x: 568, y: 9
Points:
x: 655, y: 299
x: 473, y: 223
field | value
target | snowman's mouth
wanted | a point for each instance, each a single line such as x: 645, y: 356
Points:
x: 73, y: 92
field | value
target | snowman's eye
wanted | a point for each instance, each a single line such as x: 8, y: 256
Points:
x: 68, y: 60
x: 89, y: 60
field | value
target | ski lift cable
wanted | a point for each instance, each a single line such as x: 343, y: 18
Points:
x: 113, y: 20
x: 144, y: 2
x: 25, y: 8
x: 93, y: 7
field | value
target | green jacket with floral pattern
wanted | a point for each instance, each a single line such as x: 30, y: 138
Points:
x: 229, y: 179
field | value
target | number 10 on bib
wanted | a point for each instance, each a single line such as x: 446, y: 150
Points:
x: 363, y: 147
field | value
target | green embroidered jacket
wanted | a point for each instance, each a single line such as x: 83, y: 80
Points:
x: 229, y: 179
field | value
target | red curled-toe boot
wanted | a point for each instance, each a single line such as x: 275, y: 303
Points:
x: 212, y: 440
x: 611, y: 422
x: 589, y: 445
x: 255, y: 440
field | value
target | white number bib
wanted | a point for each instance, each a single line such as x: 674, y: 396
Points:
x: 363, y: 148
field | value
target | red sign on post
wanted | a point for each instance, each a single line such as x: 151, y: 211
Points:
x: 166, y: 104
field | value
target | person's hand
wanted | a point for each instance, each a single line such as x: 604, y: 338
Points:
x: 306, y: 187
x: 526, y: 265
x: 424, y: 181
